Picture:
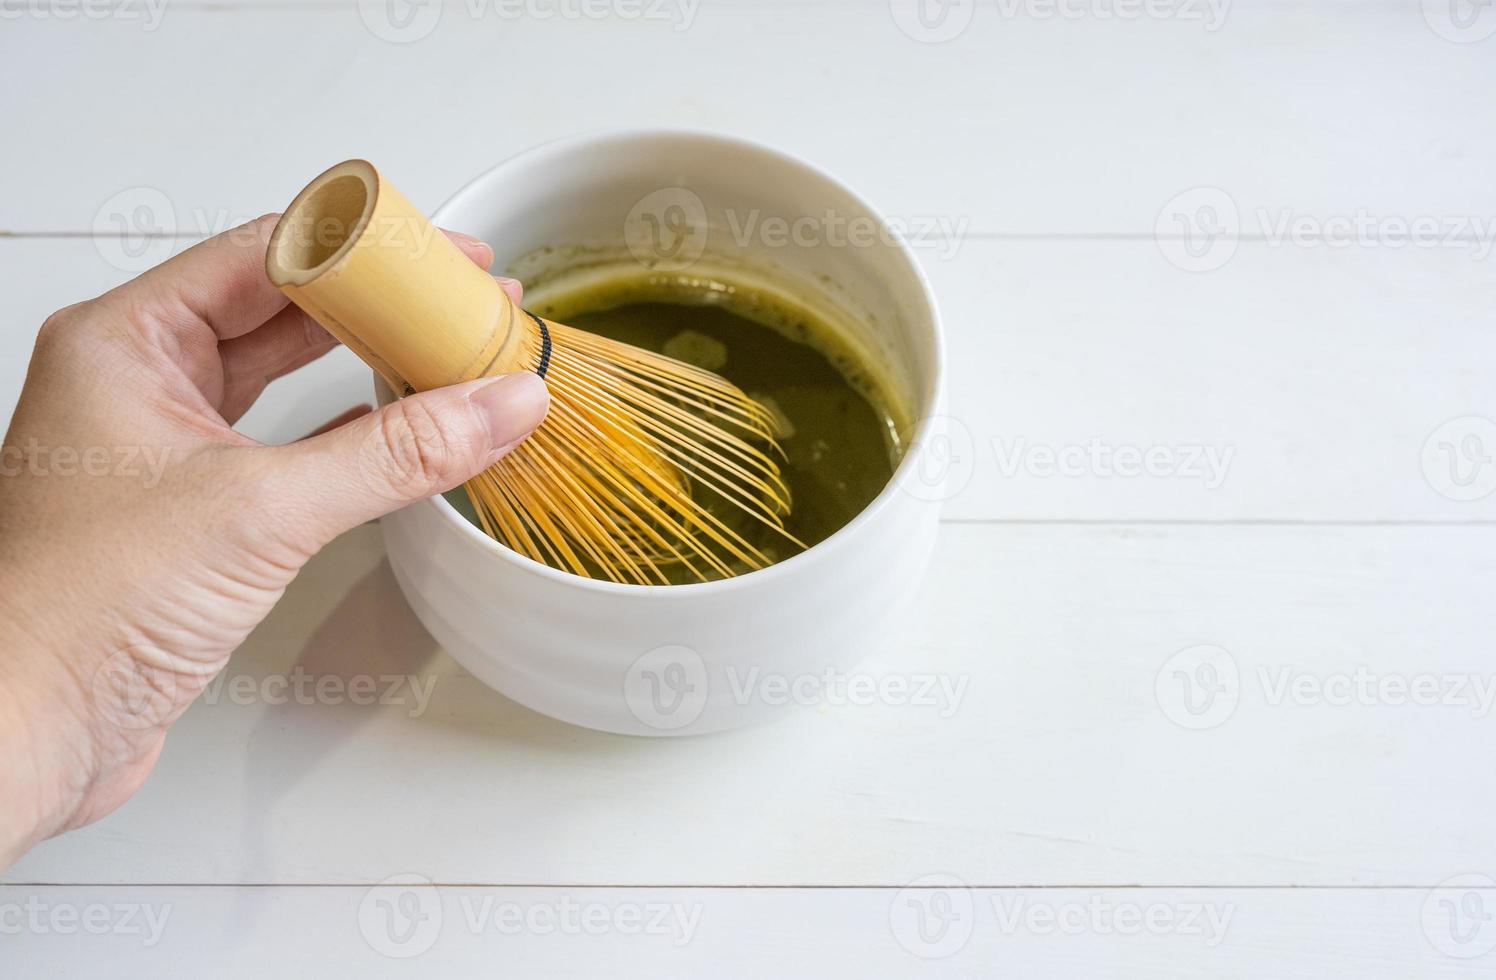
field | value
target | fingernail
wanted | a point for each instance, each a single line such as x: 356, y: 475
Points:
x: 505, y: 281
x: 478, y: 242
x: 510, y: 407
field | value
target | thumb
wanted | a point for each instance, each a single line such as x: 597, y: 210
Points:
x: 418, y: 446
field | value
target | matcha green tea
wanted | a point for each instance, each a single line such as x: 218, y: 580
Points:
x: 840, y: 444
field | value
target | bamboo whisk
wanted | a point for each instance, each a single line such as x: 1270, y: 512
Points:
x: 611, y: 484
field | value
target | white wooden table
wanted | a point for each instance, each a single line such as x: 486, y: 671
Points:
x: 1164, y: 760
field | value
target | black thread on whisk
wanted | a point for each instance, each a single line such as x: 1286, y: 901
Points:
x: 545, y: 345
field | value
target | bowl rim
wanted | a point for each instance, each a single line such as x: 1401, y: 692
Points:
x: 591, y: 140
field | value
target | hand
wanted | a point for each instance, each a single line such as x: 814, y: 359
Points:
x: 142, y: 538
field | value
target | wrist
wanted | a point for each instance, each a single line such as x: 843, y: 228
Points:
x: 22, y: 797
x: 43, y: 751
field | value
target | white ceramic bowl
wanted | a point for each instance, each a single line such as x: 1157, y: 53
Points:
x: 653, y: 660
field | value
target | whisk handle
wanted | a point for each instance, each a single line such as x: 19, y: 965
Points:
x: 354, y: 253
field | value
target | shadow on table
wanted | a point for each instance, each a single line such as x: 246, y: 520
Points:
x: 366, y: 630
x: 370, y: 663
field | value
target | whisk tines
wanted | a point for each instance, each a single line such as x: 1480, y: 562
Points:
x: 637, y: 469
